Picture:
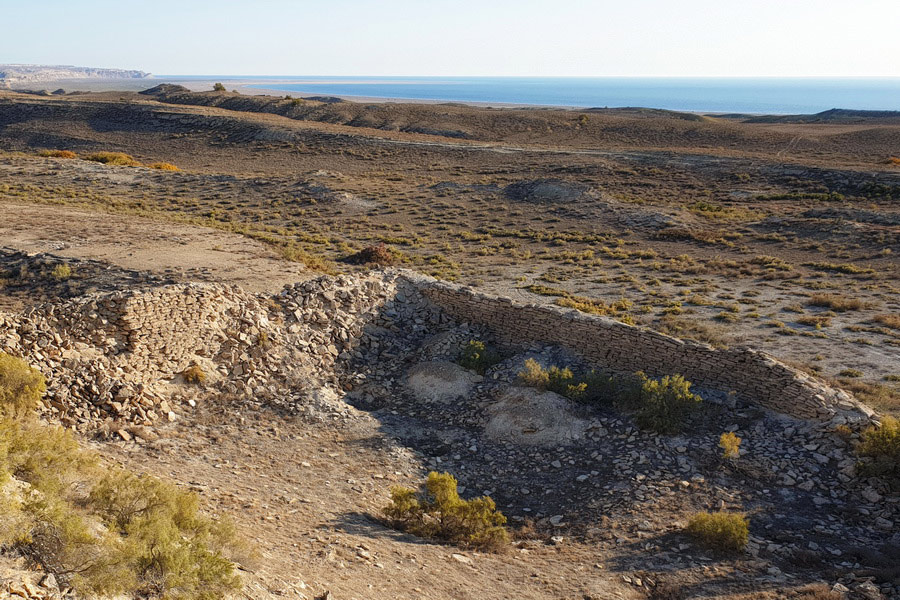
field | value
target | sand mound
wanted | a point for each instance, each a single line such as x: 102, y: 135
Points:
x: 440, y: 381
x: 529, y: 416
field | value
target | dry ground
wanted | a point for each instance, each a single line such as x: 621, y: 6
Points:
x: 716, y: 229
x: 725, y: 230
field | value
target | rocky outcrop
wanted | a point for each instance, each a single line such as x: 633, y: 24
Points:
x: 25, y: 74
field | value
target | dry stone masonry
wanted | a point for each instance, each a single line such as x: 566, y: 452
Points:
x: 120, y: 355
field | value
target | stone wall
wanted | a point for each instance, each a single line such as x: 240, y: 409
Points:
x: 752, y: 375
x: 114, y: 354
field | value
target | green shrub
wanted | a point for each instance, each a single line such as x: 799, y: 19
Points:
x: 101, y: 532
x: 590, y: 386
x: 477, y: 356
x: 664, y: 404
x: 730, y: 445
x: 61, y: 272
x: 219, y: 87
x: 881, y: 445
x: 21, y: 387
x: 727, y: 532
x: 437, y: 512
x: 113, y: 158
x: 173, y: 550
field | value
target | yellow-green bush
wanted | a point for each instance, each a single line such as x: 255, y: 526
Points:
x: 881, y: 446
x: 664, y: 404
x: 723, y: 531
x: 113, y: 158
x: 730, y: 445
x: 101, y: 531
x: 21, y: 387
x: 61, y: 272
x: 477, y: 356
x: 583, y: 387
x: 437, y: 512
x: 173, y: 550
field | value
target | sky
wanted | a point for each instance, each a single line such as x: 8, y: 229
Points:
x: 460, y: 37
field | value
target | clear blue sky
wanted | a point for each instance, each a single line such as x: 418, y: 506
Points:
x: 459, y: 37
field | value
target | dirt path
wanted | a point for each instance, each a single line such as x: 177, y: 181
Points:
x: 145, y: 244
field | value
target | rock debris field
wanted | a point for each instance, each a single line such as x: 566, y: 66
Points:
x: 383, y: 345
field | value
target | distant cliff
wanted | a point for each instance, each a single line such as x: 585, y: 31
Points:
x: 18, y: 74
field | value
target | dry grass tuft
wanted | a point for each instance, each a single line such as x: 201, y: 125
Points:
x: 113, y: 158
x: 835, y: 302
x: 57, y: 154
x: 727, y: 532
x: 892, y: 321
x: 163, y: 166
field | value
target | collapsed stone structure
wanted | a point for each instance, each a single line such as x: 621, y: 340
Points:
x: 120, y: 355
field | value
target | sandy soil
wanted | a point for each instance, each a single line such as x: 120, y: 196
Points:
x: 161, y: 247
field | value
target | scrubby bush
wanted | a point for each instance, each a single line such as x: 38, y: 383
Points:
x: 881, y: 446
x: 113, y: 158
x: 57, y: 154
x: 664, y: 404
x: 477, y: 356
x: 61, y: 272
x: 163, y: 166
x: 219, y: 87
x: 437, y: 512
x: 727, y: 532
x: 21, y: 387
x: 730, y: 445
x: 194, y: 374
x: 589, y: 386
x: 101, y: 531
x: 173, y: 550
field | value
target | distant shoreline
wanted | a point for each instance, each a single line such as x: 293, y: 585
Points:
x: 702, y: 96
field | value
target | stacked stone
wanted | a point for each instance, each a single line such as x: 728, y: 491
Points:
x: 115, y: 355
x: 752, y: 375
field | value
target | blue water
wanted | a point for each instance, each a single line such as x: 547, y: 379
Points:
x: 723, y: 95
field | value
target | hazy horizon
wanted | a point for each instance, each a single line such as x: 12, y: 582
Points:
x: 463, y: 38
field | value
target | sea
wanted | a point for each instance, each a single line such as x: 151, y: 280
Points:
x: 758, y: 95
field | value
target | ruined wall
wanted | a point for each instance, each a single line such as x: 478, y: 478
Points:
x: 607, y: 343
x: 106, y: 354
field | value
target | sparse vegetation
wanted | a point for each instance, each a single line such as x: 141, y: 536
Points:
x: 21, y: 387
x: 730, y: 445
x: 163, y: 166
x: 101, y: 531
x: 880, y: 445
x: 61, y: 272
x: 113, y: 158
x: 193, y: 375
x: 722, y: 531
x: 58, y: 154
x: 835, y: 302
x: 584, y: 387
x: 218, y: 87
x: 892, y: 321
x: 663, y: 405
x: 478, y: 356
x: 437, y: 512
